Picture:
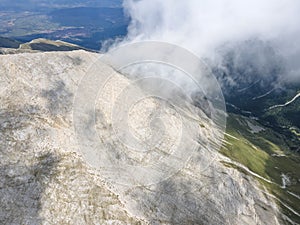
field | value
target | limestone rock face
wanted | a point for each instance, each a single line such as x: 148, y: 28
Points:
x: 44, y: 178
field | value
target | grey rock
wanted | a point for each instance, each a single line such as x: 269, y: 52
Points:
x: 44, y: 179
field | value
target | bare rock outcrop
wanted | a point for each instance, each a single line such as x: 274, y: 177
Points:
x: 44, y: 179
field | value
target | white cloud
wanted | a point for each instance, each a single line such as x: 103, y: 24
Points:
x: 204, y: 25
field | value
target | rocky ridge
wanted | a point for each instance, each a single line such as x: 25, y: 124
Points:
x: 45, y: 179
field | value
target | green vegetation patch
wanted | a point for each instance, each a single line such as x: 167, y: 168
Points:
x: 267, y: 154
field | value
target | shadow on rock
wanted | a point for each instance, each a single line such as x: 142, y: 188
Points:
x: 21, y: 189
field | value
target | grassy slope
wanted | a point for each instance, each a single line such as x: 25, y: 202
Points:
x: 267, y: 154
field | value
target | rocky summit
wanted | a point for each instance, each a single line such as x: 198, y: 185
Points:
x: 46, y: 178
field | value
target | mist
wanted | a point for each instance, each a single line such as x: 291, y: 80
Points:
x: 263, y: 34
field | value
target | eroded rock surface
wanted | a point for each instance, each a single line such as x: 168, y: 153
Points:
x: 45, y: 180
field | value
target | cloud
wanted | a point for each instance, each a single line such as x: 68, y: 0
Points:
x: 206, y: 26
